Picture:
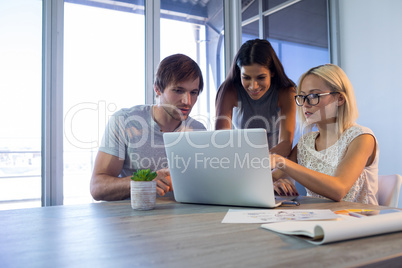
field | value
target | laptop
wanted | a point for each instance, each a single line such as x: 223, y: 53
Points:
x: 223, y: 167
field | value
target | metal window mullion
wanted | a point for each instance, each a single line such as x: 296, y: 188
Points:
x: 152, y: 46
x: 232, y: 30
x: 52, y: 102
x: 334, y: 34
x: 270, y: 11
x: 280, y: 7
x: 260, y: 20
x: 250, y: 20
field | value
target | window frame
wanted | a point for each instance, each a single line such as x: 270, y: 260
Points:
x: 52, y: 103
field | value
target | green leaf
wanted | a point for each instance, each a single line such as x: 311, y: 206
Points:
x: 144, y: 175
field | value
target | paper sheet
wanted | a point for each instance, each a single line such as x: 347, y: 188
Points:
x: 276, y: 215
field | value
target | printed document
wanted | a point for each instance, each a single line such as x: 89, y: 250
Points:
x: 270, y: 215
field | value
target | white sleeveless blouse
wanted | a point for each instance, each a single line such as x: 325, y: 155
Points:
x: 326, y: 161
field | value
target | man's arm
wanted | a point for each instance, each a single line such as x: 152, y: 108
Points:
x: 105, y: 183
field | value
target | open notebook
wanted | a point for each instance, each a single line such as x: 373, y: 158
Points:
x: 323, y: 232
x: 223, y: 167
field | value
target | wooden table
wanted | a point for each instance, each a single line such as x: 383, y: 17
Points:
x: 111, y: 234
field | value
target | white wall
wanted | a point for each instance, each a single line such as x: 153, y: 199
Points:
x: 370, y: 53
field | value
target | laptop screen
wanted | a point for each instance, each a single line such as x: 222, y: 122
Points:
x: 225, y: 167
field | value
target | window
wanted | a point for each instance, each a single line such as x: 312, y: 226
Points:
x: 194, y: 29
x: 104, y: 59
x: 20, y: 99
x: 189, y: 40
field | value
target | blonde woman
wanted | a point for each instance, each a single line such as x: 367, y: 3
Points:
x: 340, y: 160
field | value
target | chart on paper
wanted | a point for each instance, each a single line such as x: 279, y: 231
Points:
x: 264, y: 216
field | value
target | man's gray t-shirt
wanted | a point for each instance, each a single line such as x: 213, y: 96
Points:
x: 133, y: 135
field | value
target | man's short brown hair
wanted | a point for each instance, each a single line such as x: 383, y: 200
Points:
x: 175, y: 69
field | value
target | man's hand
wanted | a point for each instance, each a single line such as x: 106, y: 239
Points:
x: 163, y: 182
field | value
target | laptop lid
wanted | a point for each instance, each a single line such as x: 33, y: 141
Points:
x: 223, y: 167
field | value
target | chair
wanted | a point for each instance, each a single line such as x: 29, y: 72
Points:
x: 389, y: 187
x: 300, y: 189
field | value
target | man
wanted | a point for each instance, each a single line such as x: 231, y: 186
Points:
x: 133, y: 138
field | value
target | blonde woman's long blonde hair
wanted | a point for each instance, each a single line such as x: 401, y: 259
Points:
x: 337, y: 81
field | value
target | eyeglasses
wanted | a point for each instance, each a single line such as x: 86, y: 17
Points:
x: 312, y: 99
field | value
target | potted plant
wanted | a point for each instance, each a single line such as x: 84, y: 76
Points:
x: 143, y: 189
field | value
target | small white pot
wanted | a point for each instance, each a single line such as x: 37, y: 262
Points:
x: 143, y: 195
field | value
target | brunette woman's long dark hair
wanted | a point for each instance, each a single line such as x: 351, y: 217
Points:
x: 255, y: 51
